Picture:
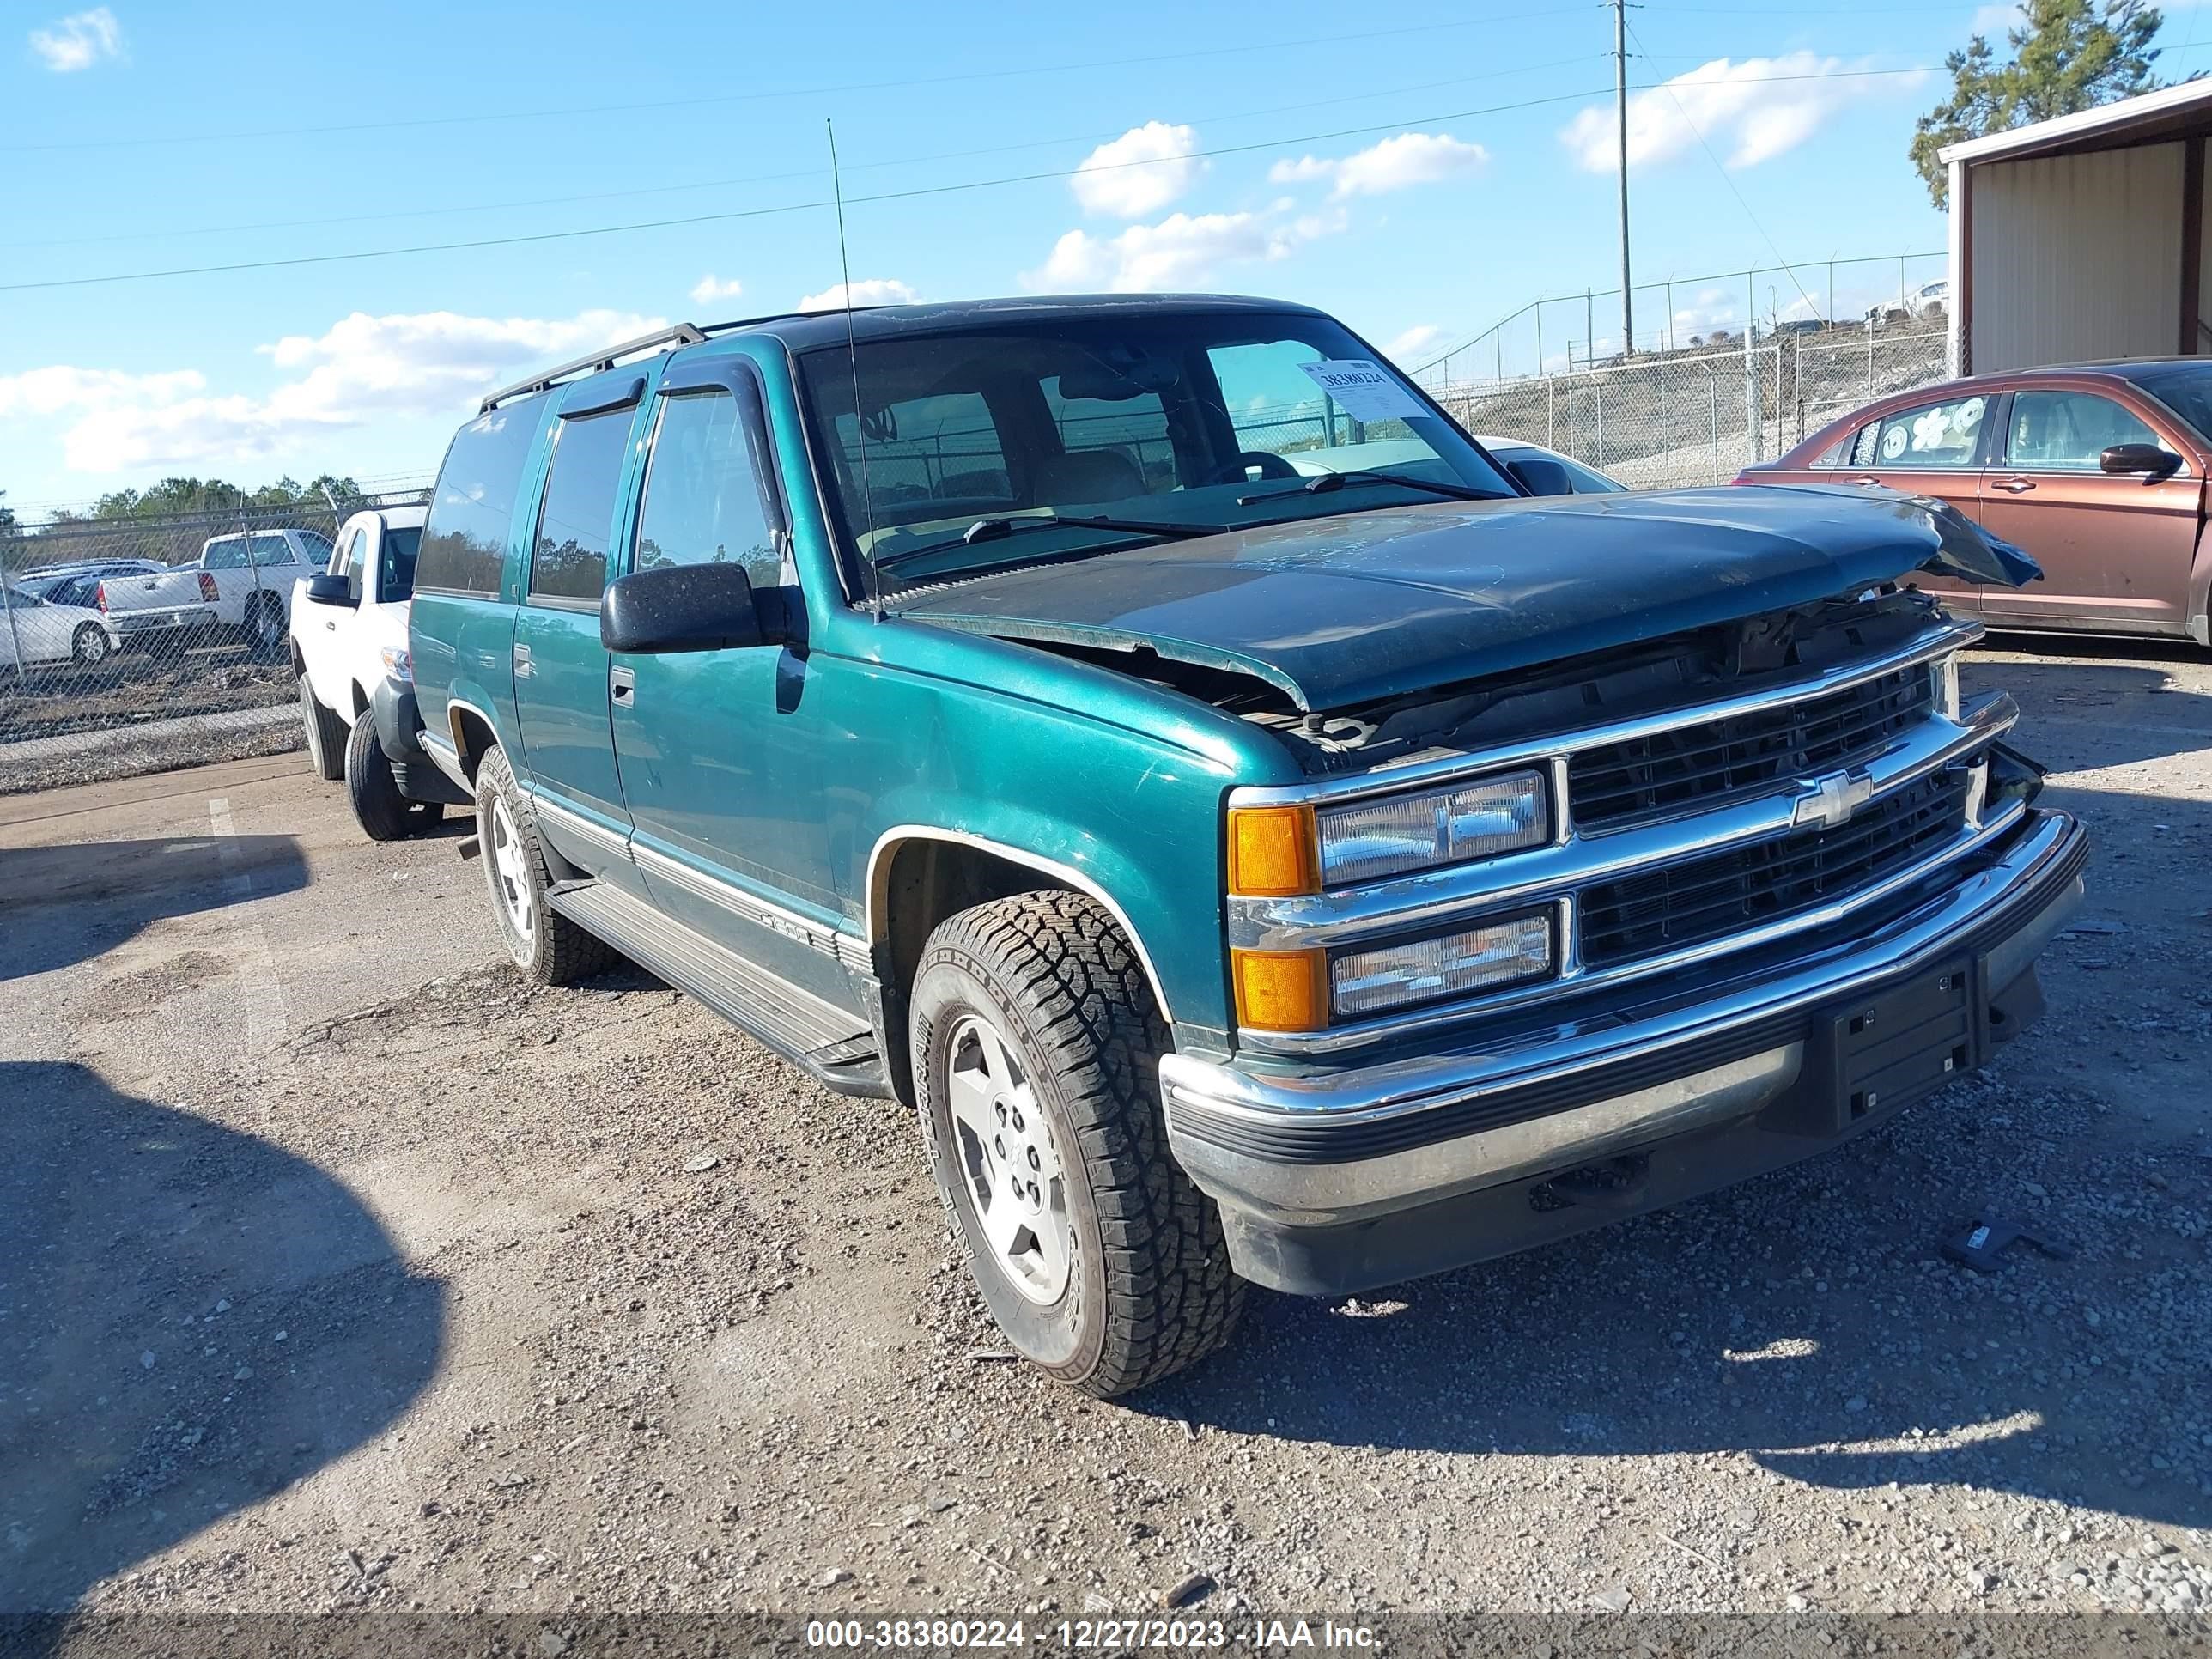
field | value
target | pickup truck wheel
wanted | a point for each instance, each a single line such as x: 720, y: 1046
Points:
x: 326, y: 735
x: 548, y: 947
x: 378, y: 805
x: 264, y: 625
x: 1035, y: 1047
x: 88, y: 645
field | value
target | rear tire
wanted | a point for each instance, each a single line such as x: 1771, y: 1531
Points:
x: 545, y: 946
x: 264, y: 626
x: 89, y: 644
x: 326, y: 735
x: 1035, y: 1045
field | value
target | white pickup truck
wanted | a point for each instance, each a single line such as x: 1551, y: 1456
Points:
x: 349, y: 634
x: 242, y: 583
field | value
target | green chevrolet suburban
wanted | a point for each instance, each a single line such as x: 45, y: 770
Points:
x: 1261, y: 840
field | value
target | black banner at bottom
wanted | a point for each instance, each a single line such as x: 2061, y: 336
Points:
x: 378, y: 1635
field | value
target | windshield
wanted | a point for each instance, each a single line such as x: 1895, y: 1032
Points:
x: 395, y: 563
x: 1183, y: 421
x: 2185, y: 388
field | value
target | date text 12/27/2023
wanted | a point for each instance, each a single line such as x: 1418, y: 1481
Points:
x: 1087, y: 1635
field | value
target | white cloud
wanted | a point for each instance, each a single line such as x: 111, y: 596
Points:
x: 1181, y: 250
x: 1413, y: 342
x: 868, y: 291
x: 55, y: 390
x: 362, y: 369
x: 1752, y: 111
x: 1139, y: 173
x: 710, y: 287
x: 1708, y: 309
x: 1398, y: 163
x: 78, y: 42
x: 1996, y: 21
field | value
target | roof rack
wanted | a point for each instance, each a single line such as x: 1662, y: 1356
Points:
x: 681, y: 334
x: 676, y: 334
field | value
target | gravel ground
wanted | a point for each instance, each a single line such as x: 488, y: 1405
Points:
x: 458, y: 1296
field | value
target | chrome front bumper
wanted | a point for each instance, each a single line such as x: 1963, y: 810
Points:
x: 1332, y: 1149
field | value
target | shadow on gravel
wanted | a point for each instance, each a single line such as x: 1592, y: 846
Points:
x: 2127, y: 682
x: 65, y: 904
x: 191, y: 1319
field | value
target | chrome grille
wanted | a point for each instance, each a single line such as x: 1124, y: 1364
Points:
x: 1689, y: 769
x: 1707, y: 898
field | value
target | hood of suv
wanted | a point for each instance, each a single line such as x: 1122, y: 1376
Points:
x: 1341, y: 610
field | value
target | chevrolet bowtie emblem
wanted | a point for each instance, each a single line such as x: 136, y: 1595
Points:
x: 1829, y: 801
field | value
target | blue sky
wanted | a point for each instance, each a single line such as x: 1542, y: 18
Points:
x: 145, y: 138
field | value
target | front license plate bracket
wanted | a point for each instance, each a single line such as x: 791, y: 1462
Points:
x: 1880, y: 1052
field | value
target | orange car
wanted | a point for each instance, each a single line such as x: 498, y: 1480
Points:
x: 2097, y: 470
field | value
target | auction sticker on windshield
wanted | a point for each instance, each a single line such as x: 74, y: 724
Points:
x: 1363, y: 389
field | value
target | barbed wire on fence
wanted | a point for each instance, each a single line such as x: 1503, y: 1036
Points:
x: 1567, y: 331
x: 134, y: 644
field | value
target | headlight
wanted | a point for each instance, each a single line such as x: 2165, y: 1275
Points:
x: 399, y: 664
x: 1370, y: 839
x: 1390, y: 977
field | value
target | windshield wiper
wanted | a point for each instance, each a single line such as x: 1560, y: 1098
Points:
x: 1323, y: 483
x: 997, y: 530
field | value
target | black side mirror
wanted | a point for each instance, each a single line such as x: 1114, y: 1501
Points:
x: 687, y: 607
x: 324, y: 588
x: 1539, y: 475
x: 2148, y: 458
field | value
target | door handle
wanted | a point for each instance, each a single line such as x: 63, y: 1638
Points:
x: 329, y: 627
x: 523, y: 670
x: 1866, y: 482
x: 2015, y: 486
x: 623, y: 683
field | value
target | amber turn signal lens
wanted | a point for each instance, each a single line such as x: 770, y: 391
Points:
x: 1280, y: 990
x: 1272, y: 853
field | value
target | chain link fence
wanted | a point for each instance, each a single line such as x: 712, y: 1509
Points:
x: 134, y: 644
x: 1665, y: 419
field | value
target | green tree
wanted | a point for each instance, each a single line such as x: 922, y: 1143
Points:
x: 2067, y: 55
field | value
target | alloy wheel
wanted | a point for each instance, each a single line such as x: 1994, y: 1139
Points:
x: 511, y: 871
x: 1010, y: 1162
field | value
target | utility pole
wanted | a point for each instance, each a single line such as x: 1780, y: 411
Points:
x: 1620, y: 104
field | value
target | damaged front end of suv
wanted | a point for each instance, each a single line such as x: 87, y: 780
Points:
x: 1640, y: 843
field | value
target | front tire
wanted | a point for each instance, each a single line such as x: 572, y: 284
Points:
x: 382, y: 811
x: 545, y: 946
x: 1035, y: 1045
x: 326, y: 735
x: 89, y: 644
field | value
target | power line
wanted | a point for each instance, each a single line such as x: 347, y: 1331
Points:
x: 665, y: 104
x: 802, y: 172
x: 1756, y: 224
x: 526, y: 239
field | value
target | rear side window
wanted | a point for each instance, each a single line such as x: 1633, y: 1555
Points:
x: 473, y: 505
x: 1944, y: 436
x: 568, y: 560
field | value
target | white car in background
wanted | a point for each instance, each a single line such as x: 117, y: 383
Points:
x: 1925, y: 304
x: 1544, y: 471
x: 240, y: 583
x: 1539, y: 470
x: 349, y: 632
x: 33, y: 633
